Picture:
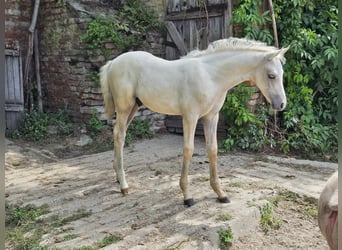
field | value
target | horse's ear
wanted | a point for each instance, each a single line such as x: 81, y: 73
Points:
x: 279, y: 52
x: 284, y: 50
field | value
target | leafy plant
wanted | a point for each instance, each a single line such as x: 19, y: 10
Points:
x: 21, y: 229
x: 103, y: 30
x: 308, y: 124
x: 138, y: 129
x: 268, y: 220
x: 95, y: 125
x: 25, y: 226
x: 16, y: 216
x: 141, y: 18
x: 108, y: 240
x: 36, y: 123
x: 225, y: 217
x: 226, y: 238
x: 245, y: 130
x: 125, y: 31
x: 251, y: 22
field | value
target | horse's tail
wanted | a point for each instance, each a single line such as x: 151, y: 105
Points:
x: 107, y: 94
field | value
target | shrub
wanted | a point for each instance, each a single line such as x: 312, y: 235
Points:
x: 35, y: 125
x: 138, y: 129
x: 308, y: 124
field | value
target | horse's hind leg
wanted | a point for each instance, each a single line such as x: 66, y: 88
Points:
x: 132, y: 114
x: 123, y: 119
x: 210, y: 129
x: 119, y: 132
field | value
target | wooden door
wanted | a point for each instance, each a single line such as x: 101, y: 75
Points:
x: 14, y: 93
x: 193, y: 24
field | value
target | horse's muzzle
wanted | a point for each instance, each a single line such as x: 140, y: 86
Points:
x: 278, y: 105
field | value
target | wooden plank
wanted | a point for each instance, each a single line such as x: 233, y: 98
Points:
x: 14, y: 94
x: 186, y: 6
x: 200, y: 14
x: 176, y: 37
x: 14, y: 107
x: 11, y: 52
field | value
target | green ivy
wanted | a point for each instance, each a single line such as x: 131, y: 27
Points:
x: 103, y: 30
x: 127, y: 30
x: 309, y: 123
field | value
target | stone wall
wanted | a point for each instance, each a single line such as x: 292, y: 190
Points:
x: 68, y: 66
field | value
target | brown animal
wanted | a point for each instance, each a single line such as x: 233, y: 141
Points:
x: 328, y: 210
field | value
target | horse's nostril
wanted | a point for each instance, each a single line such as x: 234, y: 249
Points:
x: 282, y: 106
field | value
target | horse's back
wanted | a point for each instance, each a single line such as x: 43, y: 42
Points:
x: 137, y: 57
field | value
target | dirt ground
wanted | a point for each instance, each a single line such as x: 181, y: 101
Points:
x: 153, y: 216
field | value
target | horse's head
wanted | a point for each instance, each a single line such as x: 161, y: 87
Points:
x: 269, y: 78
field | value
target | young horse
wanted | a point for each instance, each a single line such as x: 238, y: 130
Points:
x: 194, y: 87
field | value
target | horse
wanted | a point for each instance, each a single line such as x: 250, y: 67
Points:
x: 328, y: 211
x: 194, y: 87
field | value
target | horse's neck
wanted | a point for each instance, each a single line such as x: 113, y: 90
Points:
x: 229, y: 68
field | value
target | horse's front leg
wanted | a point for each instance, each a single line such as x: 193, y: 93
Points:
x: 210, y: 130
x: 119, y: 133
x: 189, y: 126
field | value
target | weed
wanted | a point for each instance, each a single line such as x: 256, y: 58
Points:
x: 138, y: 129
x: 204, y: 178
x: 108, y: 240
x: 25, y: 225
x: 36, y: 123
x: 70, y: 237
x: 268, y: 220
x: 95, y: 125
x: 225, y: 217
x: 85, y: 248
x: 226, y: 238
x: 21, y: 223
x: 17, y: 216
x: 80, y: 213
x: 235, y: 184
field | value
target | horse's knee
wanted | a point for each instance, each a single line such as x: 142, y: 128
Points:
x: 188, y: 151
x: 119, y: 136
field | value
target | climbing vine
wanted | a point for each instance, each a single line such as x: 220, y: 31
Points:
x: 309, y: 123
x: 126, y: 31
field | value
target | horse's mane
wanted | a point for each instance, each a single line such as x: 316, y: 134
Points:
x: 231, y: 43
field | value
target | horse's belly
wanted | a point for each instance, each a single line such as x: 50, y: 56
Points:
x: 160, y: 104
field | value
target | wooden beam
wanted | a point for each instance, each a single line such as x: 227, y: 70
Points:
x: 176, y: 37
x: 274, y: 24
x: 193, y: 15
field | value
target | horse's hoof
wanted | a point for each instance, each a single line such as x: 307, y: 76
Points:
x: 124, y: 191
x: 223, y: 200
x: 189, y: 202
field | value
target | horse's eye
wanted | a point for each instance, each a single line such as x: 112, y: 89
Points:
x: 271, y: 76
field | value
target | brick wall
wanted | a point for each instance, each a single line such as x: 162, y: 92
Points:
x: 68, y: 65
x: 17, y: 22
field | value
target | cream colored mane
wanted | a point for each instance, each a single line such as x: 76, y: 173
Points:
x: 232, y: 43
